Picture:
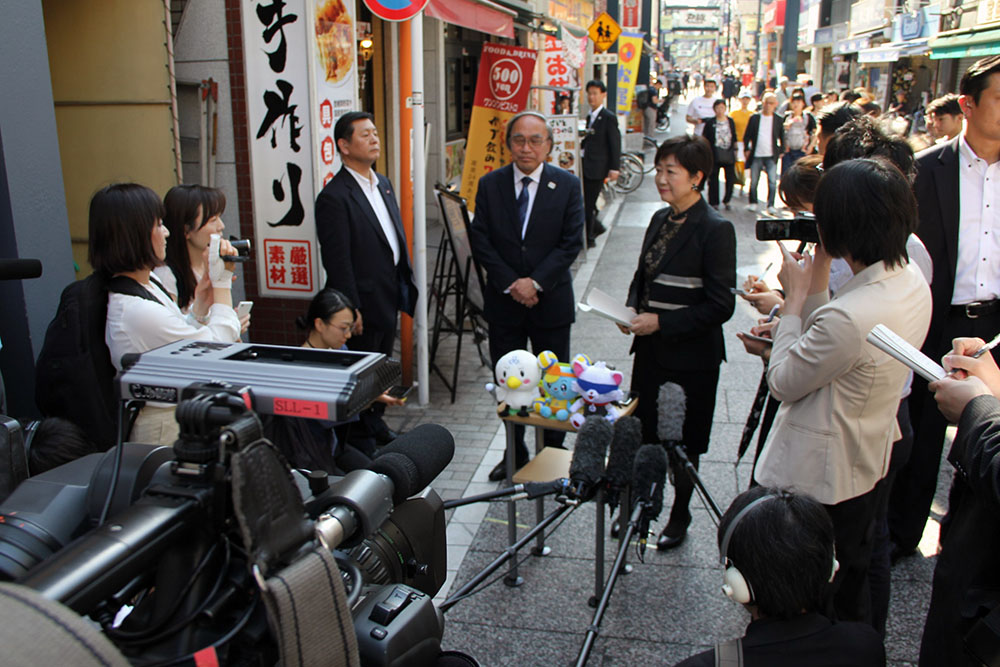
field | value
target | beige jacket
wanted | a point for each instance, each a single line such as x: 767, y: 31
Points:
x: 834, y: 431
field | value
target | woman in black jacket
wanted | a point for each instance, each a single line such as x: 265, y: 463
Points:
x: 720, y: 133
x: 681, y: 292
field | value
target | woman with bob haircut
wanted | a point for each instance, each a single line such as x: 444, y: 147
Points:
x: 833, y: 433
x: 128, y: 238
x: 681, y: 292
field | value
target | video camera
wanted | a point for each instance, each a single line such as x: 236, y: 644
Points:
x: 800, y: 228
x: 198, y: 534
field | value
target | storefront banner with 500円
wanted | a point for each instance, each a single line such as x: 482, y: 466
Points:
x: 502, y: 88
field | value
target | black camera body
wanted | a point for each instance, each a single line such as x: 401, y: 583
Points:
x: 174, y: 550
x: 802, y: 227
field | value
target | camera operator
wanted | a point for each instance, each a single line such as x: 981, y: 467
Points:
x: 764, y: 536
x: 966, y: 580
x: 128, y: 238
x: 832, y: 435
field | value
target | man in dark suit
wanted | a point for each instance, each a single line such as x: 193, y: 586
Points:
x: 364, y: 251
x: 602, y: 150
x: 527, y: 231
x: 764, y: 141
x: 958, y: 193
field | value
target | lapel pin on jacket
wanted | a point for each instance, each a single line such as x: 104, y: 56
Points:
x: 552, y: 185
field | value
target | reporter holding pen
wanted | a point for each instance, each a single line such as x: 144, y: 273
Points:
x: 966, y: 578
x: 833, y: 432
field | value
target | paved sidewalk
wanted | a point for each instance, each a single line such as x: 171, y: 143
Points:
x: 671, y: 605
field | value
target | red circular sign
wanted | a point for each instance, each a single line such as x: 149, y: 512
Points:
x: 505, y: 78
x: 395, y: 10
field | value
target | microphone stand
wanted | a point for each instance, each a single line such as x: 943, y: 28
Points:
x: 609, y: 587
x: 508, y: 553
x: 692, y: 472
x: 528, y: 491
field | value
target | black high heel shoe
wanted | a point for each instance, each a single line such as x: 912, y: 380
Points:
x: 674, y: 534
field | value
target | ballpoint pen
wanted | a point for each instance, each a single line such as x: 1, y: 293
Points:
x: 980, y: 352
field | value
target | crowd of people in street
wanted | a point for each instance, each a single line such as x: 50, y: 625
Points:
x: 850, y: 443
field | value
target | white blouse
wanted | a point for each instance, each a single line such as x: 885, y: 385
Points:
x: 139, y: 325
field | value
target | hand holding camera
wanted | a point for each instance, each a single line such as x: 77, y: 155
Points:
x: 220, y: 272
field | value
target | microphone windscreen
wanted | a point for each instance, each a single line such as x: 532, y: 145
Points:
x: 650, y: 468
x: 592, y: 441
x: 20, y: 269
x: 402, y: 471
x: 671, y: 406
x: 625, y: 442
x: 429, y: 447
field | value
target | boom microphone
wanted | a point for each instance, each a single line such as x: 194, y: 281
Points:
x: 587, y: 467
x: 625, y: 443
x: 648, y: 479
x: 355, y: 506
x: 20, y: 269
x: 671, y: 407
x: 414, y: 459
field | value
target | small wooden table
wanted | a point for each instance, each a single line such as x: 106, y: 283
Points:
x: 550, y: 463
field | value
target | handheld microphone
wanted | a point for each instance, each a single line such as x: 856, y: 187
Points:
x: 587, y: 467
x: 625, y: 443
x: 20, y: 269
x: 649, y: 476
x: 355, y: 506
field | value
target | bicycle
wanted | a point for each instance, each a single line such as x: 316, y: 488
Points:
x: 630, y: 174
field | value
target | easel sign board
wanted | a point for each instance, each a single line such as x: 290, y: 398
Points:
x: 456, y: 217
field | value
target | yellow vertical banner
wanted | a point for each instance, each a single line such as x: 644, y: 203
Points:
x: 502, y: 88
x: 629, y: 50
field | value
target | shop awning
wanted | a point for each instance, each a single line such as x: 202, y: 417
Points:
x: 966, y: 44
x: 879, y: 54
x: 481, y: 15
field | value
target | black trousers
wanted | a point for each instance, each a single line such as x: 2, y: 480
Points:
x: 591, y: 190
x: 713, y: 183
x: 853, y: 534
x: 700, y: 389
x: 879, y: 579
x: 505, y: 338
x: 361, y: 434
x: 913, y: 491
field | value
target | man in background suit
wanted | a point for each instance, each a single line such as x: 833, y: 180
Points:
x: 364, y: 251
x: 764, y: 141
x: 602, y: 150
x: 958, y: 200
x: 526, y: 233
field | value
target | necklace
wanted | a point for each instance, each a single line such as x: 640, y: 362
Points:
x: 678, y: 216
x: 307, y: 343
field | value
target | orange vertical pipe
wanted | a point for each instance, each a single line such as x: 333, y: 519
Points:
x: 405, y: 188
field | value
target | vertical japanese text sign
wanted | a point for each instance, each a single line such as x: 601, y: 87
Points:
x: 502, y: 88
x: 557, y: 71
x: 333, y: 49
x: 280, y: 137
x: 629, y: 50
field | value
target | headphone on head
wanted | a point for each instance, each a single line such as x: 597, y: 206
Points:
x: 734, y: 583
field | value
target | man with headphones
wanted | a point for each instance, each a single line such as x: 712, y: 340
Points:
x: 527, y: 231
x: 777, y: 551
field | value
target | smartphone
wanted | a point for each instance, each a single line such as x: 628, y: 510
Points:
x: 738, y: 291
x: 399, y: 391
x: 763, y: 339
x: 244, y: 308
